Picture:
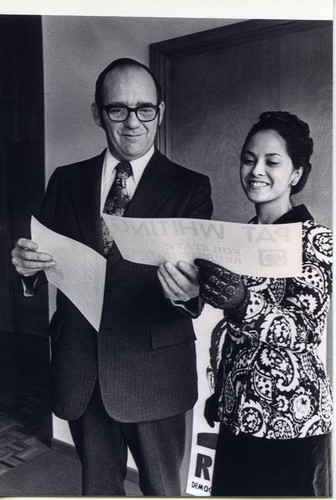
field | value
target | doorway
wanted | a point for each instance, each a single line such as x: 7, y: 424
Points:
x: 217, y: 82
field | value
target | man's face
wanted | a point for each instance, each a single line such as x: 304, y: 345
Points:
x: 130, y: 86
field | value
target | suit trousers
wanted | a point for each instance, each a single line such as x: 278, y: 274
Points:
x: 101, y: 443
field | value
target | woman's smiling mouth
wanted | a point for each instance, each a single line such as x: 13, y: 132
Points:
x: 257, y: 184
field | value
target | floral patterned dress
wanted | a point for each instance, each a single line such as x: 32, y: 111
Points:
x: 269, y: 378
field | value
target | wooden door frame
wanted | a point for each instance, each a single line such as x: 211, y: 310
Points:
x: 162, y: 53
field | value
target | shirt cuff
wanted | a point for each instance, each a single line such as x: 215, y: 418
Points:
x: 192, y: 307
x: 29, y: 284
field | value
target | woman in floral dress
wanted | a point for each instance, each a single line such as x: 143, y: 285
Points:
x: 272, y: 394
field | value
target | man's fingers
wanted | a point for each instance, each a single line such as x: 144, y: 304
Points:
x: 34, y: 256
x: 190, y: 271
x: 32, y: 260
x: 177, y: 286
x: 32, y: 264
x: 181, y: 277
x: 172, y: 276
x: 26, y: 250
x: 167, y: 291
x: 165, y: 272
x: 27, y: 244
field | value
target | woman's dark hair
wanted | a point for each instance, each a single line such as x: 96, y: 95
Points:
x: 123, y: 63
x: 295, y: 133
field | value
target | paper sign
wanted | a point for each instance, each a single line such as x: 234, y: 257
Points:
x: 250, y: 249
x: 79, y: 272
x: 204, y: 437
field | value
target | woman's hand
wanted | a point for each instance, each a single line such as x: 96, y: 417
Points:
x: 219, y: 287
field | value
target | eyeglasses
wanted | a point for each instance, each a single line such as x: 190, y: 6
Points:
x: 145, y: 113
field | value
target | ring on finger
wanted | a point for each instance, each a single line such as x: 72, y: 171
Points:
x: 178, y: 292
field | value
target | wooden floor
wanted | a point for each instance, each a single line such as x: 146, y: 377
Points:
x: 25, y: 419
x: 28, y: 465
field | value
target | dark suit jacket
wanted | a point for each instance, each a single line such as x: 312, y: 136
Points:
x: 144, y: 353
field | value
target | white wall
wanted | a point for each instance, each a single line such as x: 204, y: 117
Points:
x: 76, y: 49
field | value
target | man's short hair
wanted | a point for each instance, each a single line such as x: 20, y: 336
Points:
x: 123, y: 63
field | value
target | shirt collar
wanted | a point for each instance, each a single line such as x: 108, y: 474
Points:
x: 138, y: 165
x: 299, y: 213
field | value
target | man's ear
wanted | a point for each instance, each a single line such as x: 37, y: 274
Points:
x: 96, y: 113
x: 161, y: 111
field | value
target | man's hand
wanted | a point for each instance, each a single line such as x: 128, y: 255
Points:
x: 179, y: 282
x: 27, y: 260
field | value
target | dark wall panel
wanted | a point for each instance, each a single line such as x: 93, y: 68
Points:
x: 21, y: 162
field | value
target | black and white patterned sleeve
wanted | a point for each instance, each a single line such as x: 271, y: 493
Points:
x: 292, y: 313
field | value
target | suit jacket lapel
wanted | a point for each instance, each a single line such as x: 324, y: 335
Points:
x: 86, y: 197
x: 157, y: 182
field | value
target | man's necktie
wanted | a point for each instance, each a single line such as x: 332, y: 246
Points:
x: 117, y: 199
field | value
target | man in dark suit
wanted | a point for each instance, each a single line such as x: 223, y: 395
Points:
x: 130, y: 384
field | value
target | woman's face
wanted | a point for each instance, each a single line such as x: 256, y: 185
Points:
x: 266, y: 170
